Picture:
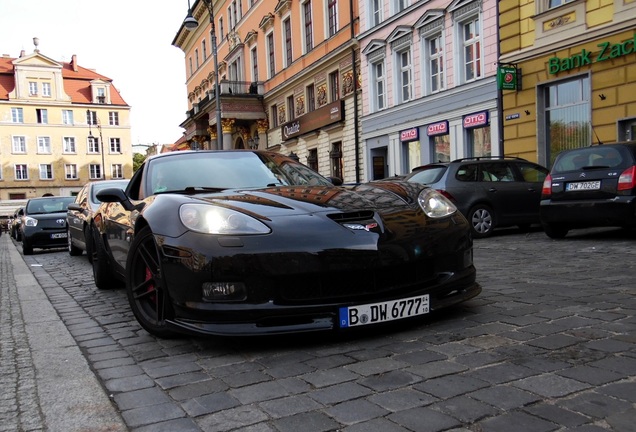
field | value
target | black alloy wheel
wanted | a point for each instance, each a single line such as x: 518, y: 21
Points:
x: 72, y: 249
x: 101, y: 264
x: 482, y: 220
x: 145, y: 285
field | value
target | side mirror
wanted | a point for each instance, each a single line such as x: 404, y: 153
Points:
x: 115, y: 195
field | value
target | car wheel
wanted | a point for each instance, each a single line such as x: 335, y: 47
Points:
x: 482, y: 220
x: 72, y: 249
x: 88, y: 237
x: 27, y: 249
x: 555, y: 231
x: 101, y: 265
x: 146, y: 287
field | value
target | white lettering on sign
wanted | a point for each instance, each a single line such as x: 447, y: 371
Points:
x: 291, y: 129
x: 408, y: 135
x: 475, y: 119
x: 437, y: 128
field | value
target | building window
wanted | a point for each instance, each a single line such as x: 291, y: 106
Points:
x: 332, y: 13
x: 379, y: 91
x: 405, y: 81
x: 69, y: 145
x: 101, y: 95
x: 254, y: 65
x: 46, y: 89
x: 46, y: 172
x: 70, y: 171
x: 221, y: 29
x: 21, y: 172
x: 42, y: 115
x: 309, y: 31
x: 311, y: 98
x: 471, y: 49
x: 113, y: 118
x: 115, y: 146
x: 288, y: 42
x: 567, y: 116
x: 290, y: 107
x: 312, y: 159
x: 375, y: 12
x: 67, y: 117
x: 93, y: 145
x: 196, y: 58
x: 204, y: 48
x: 16, y: 115
x: 435, y: 63
x: 400, y: 5
x: 33, y: 88
x: 91, y: 117
x: 94, y: 171
x: 117, y: 171
x: 18, y: 144
x: 334, y: 86
x: 551, y: 4
x: 336, y: 160
x: 44, y: 145
x: 274, y: 115
x: 270, y: 55
x: 191, y: 67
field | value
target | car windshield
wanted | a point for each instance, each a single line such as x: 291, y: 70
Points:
x: 427, y: 175
x: 591, y: 158
x: 48, y: 205
x: 227, y: 170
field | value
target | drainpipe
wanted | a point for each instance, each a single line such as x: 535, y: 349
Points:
x: 356, y: 119
x: 500, y: 126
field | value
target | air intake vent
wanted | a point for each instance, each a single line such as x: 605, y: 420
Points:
x: 352, y: 216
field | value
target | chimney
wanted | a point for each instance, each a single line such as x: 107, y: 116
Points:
x: 22, y: 53
x: 74, y: 62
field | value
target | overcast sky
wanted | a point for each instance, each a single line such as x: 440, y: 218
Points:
x: 128, y: 41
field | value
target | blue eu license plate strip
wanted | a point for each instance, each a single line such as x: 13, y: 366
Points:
x: 373, y: 313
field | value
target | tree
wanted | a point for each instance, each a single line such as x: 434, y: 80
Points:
x: 138, y: 159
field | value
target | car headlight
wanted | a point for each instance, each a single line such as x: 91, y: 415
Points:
x: 29, y: 221
x: 434, y: 204
x: 211, y: 219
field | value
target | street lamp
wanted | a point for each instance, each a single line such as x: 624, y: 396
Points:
x: 101, y: 140
x: 253, y: 142
x: 190, y: 23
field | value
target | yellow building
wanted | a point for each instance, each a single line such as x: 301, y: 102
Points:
x: 54, y: 118
x: 576, y: 75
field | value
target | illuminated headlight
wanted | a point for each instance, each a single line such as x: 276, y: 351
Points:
x: 434, y: 204
x: 211, y: 219
x: 224, y: 291
x: 29, y: 221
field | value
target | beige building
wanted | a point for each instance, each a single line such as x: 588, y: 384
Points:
x: 576, y: 75
x: 288, y: 80
x: 61, y: 125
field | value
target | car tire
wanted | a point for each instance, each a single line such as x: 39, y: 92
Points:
x: 555, y: 231
x: 72, y: 249
x: 145, y: 285
x: 27, y: 249
x: 481, y: 220
x: 101, y: 264
x: 88, y: 238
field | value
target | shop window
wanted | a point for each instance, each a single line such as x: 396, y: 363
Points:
x: 336, y: 160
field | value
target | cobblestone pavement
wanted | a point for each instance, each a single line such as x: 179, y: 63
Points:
x: 549, y: 345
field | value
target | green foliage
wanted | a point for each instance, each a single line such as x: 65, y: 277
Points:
x: 138, y: 159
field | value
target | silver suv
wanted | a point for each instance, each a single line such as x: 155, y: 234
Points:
x: 590, y: 187
x: 490, y: 191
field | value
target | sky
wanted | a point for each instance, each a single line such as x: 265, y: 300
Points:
x: 128, y: 41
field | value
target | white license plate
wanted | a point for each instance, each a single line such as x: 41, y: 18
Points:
x: 374, y: 313
x: 586, y: 185
x: 58, y: 236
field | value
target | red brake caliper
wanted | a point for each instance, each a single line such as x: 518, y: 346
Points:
x: 151, y: 287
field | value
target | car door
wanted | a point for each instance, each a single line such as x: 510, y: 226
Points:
x: 75, y: 216
x: 507, y: 196
x: 530, y: 177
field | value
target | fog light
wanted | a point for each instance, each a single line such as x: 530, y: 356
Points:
x: 224, y: 291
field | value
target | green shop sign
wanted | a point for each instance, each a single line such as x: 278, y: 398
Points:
x: 608, y: 51
x: 507, y: 78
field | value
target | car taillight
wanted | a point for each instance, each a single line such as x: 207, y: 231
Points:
x: 546, y: 191
x: 627, y: 180
x: 447, y: 195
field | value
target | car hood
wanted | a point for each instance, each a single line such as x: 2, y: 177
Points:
x: 284, y: 201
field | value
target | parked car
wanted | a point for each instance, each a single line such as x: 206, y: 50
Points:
x: 80, y: 215
x: 492, y: 192
x: 244, y: 242
x: 590, y: 187
x: 44, y: 223
x: 16, y: 221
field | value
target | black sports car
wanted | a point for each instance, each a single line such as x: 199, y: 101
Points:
x: 246, y: 242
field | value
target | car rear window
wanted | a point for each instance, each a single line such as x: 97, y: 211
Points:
x: 592, y: 157
x: 428, y: 175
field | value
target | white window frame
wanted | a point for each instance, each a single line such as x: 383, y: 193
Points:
x: 33, y: 88
x: 328, y: 19
x: 113, y: 118
x: 46, y: 89
x: 94, y: 171
x: 117, y: 171
x: 21, y: 172
x: 18, y: 144
x: 67, y: 117
x: 92, y: 145
x: 17, y: 115
x: 398, y: 6
x: 287, y: 44
x: 44, y: 145
x: 70, y: 171
x: 271, y: 54
x: 308, y: 39
x: 46, y: 171
x: 429, y: 57
x: 402, y: 71
x: 473, y: 16
x: 114, y: 146
x: 69, y: 145
x: 378, y: 96
x: 376, y: 13
x: 42, y: 115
